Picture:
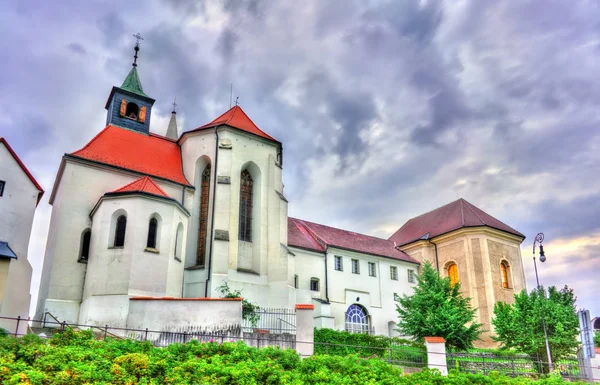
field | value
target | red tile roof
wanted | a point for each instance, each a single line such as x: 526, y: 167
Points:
x: 144, y: 184
x: 25, y: 170
x: 237, y: 118
x: 453, y: 216
x: 151, y: 154
x: 313, y: 236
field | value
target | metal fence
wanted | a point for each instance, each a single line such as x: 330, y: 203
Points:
x: 510, y: 365
x: 408, y: 357
x: 272, y: 321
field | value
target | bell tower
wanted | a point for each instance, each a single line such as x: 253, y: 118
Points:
x: 128, y: 106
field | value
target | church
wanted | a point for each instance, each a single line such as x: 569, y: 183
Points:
x: 135, y: 213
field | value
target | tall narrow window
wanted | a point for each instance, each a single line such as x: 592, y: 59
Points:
x: 394, y: 273
x: 245, y: 225
x: 372, y: 269
x: 339, y: 266
x: 411, y: 276
x: 505, y: 270
x: 453, y: 274
x: 178, y: 242
x: 2, y: 183
x: 202, y: 229
x: 152, y: 227
x: 295, y: 281
x: 86, y: 237
x: 355, y: 266
x: 120, y: 231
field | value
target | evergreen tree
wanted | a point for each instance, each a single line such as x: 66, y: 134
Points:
x: 438, y: 309
x: 519, y: 325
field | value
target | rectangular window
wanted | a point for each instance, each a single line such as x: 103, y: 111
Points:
x: 339, y: 266
x: 2, y: 183
x: 411, y: 276
x: 372, y: 270
x: 314, y: 284
x: 394, y: 273
x: 295, y: 281
x: 355, y: 266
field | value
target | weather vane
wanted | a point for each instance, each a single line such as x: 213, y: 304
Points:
x: 138, y: 37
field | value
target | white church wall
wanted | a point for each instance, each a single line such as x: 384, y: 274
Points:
x: 77, y: 192
x: 17, y: 208
x: 182, y: 314
x: 375, y: 294
x: 132, y: 269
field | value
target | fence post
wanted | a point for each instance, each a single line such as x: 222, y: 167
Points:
x: 305, y: 329
x: 185, y: 336
x: 17, y: 328
x: 105, y: 331
x: 63, y: 325
x: 146, y: 335
x: 483, y: 360
x: 436, y: 354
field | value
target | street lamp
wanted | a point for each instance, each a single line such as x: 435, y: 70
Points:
x: 539, y: 238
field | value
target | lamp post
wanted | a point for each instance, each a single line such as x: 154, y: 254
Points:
x: 539, y: 238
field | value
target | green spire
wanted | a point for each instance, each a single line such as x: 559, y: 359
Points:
x: 133, y: 84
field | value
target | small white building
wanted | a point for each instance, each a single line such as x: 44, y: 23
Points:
x: 136, y: 214
x: 19, y: 196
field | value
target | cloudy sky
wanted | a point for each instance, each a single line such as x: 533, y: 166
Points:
x: 386, y: 109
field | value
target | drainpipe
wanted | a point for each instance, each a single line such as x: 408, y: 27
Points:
x: 326, y: 279
x: 212, y: 215
x: 437, y: 262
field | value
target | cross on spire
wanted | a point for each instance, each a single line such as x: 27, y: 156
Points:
x: 174, y: 105
x: 138, y: 37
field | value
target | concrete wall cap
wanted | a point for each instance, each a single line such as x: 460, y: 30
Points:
x: 143, y: 298
x: 435, y: 340
x: 305, y: 306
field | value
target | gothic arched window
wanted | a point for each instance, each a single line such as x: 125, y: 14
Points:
x: 178, y: 242
x: 357, y: 319
x: 120, y: 231
x: 245, y: 225
x: 84, y: 252
x: 453, y: 273
x: 202, y: 228
x: 152, y: 230
x: 505, y: 271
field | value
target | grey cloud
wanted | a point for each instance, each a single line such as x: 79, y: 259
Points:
x: 77, y: 48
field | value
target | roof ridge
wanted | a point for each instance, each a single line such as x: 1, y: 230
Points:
x: 23, y: 168
x: 475, y: 213
x: 462, y: 212
x: 251, y: 121
x: 312, y: 233
x: 347, y: 231
x: 129, y: 184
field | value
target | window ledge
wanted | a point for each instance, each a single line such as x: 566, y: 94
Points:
x: 195, y: 267
x: 177, y: 259
x: 81, y: 260
x: 151, y: 250
x: 247, y: 271
x: 116, y: 247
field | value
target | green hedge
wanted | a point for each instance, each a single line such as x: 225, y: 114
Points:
x: 342, y: 343
x: 77, y: 359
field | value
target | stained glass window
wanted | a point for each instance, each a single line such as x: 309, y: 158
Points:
x: 245, y: 225
x: 203, y: 227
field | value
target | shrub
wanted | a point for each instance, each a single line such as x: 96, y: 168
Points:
x: 77, y: 359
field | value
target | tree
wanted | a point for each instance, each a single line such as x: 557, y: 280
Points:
x: 519, y: 325
x: 438, y: 309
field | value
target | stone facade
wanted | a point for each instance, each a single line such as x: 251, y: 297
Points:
x: 478, y: 252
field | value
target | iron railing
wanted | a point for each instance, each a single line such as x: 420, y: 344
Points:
x: 272, y: 321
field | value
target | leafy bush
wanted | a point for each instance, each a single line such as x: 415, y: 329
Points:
x: 77, y: 359
x: 342, y: 343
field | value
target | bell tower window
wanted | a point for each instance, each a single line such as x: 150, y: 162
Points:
x: 132, y: 111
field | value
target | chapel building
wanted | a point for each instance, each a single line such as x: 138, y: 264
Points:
x: 139, y: 214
